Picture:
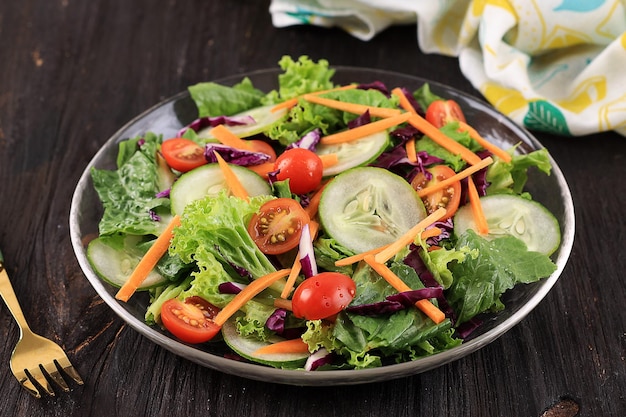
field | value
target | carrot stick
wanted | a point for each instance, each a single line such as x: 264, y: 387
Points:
x: 283, y: 303
x: 293, y: 101
x: 148, y: 261
x: 404, y: 102
x: 408, y: 237
x: 365, y: 130
x: 358, y: 257
x: 424, y: 305
x: 297, y: 266
x: 494, y: 149
x: 234, y: 185
x: 228, y: 138
x: 432, y: 232
x: 477, y: 208
x: 291, y: 279
x: 442, y: 140
x: 262, y: 169
x: 329, y: 159
x: 411, y: 154
x: 285, y: 346
x: 314, y: 202
x: 457, y: 177
x: 247, y: 294
x: 351, y: 107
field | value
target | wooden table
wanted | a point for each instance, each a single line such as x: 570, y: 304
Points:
x: 73, y: 72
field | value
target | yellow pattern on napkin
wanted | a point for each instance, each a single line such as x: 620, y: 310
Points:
x: 557, y: 66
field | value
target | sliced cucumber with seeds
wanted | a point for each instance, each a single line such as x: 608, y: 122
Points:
x: 114, y: 260
x: 513, y: 215
x: 355, y: 153
x: 367, y: 207
x: 209, y: 180
x: 264, y: 119
x: 247, y: 346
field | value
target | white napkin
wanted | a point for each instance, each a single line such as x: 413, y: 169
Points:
x: 557, y: 66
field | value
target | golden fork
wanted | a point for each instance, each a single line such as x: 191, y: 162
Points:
x: 34, y: 354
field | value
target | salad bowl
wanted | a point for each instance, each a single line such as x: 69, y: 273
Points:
x: 169, y: 116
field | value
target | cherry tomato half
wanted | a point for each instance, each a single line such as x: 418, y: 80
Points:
x: 191, y: 321
x: 302, y: 168
x: 448, y: 198
x: 440, y: 112
x: 183, y: 154
x: 263, y: 147
x: 323, y: 295
x: 277, y: 227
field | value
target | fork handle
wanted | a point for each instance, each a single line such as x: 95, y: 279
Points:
x: 8, y: 295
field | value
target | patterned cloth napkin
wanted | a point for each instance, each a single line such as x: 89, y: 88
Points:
x: 556, y: 66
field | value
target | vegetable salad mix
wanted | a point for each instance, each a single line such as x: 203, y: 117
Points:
x: 321, y: 226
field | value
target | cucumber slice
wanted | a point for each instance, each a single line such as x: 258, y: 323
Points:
x: 513, y: 215
x: 367, y: 207
x: 263, y: 116
x: 209, y: 180
x: 246, y: 346
x: 356, y: 153
x: 114, y: 263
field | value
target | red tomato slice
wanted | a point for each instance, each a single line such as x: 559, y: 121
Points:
x: 323, y: 295
x: 302, y: 168
x: 183, y: 154
x: 440, y: 112
x: 449, y: 198
x: 191, y: 321
x: 277, y: 227
x: 263, y: 147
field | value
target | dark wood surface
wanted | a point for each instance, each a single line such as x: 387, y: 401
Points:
x: 72, y: 72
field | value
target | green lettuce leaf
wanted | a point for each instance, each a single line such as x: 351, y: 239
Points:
x: 511, y: 177
x: 214, y: 99
x: 498, y: 265
x: 300, y: 77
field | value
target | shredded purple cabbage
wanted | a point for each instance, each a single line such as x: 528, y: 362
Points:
x: 234, y: 156
x: 308, y: 141
x: 411, y: 98
x: 276, y: 321
x: 230, y: 287
x: 376, y: 85
x: 361, y: 120
x: 396, y: 302
x: 203, y: 122
x: 153, y: 216
x: 163, y: 194
x: 307, y: 254
x: 319, y: 358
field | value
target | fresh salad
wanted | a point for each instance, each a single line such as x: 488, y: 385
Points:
x: 321, y: 226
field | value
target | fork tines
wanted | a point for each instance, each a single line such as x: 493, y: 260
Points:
x: 27, y: 377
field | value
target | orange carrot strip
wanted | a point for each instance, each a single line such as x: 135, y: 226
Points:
x: 493, y: 148
x: 352, y: 107
x: 293, y: 101
x: 477, y: 208
x: 247, y: 294
x: 329, y: 159
x: 442, y: 140
x: 285, y: 346
x: 228, y: 138
x: 262, y: 169
x: 148, y: 261
x: 365, y: 130
x: 297, y: 266
x: 314, y: 202
x: 233, y: 183
x: 432, y: 232
x: 404, y: 102
x: 291, y: 279
x: 408, y: 237
x: 358, y: 257
x: 424, y: 305
x: 411, y: 154
x: 457, y: 177
x: 283, y: 303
